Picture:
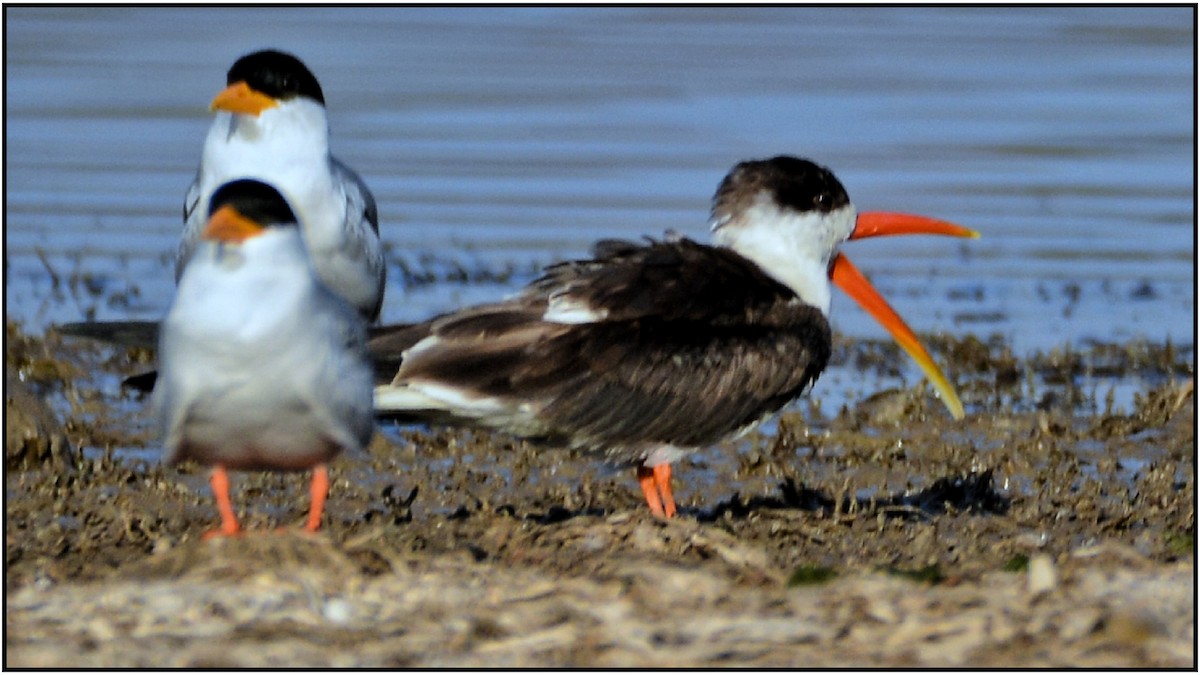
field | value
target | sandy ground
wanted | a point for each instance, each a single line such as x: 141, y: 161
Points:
x: 1045, y: 530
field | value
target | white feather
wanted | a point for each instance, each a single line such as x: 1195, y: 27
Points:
x: 564, y: 309
x: 513, y: 415
x: 435, y: 396
x: 794, y: 248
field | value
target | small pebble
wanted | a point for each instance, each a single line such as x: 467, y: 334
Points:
x: 338, y: 610
x: 1043, y: 575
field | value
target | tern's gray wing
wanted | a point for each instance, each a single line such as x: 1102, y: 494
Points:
x: 361, y: 226
x: 193, y: 223
x: 339, y: 387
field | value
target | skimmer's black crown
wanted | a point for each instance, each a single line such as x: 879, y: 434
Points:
x: 255, y: 200
x: 792, y: 182
x: 276, y: 74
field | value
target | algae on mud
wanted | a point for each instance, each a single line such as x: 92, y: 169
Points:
x: 447, y: 547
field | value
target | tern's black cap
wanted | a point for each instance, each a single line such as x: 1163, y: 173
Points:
x: 255, y: 200
x: 276, y: 74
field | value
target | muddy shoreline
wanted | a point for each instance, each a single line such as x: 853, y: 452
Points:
x: 1050, y: 528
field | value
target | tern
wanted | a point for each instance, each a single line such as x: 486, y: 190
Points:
x: 261, y: 366
x: 270, y: 125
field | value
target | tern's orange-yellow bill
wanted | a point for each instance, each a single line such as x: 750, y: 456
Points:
x: 239, y: 97
x: 228, y: 225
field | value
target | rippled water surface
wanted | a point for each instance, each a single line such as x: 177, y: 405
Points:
x: 497, y: 140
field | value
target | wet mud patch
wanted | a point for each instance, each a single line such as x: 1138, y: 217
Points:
x: 1049, y: 528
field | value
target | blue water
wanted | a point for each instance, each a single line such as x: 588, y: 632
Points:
x: 501, y: 139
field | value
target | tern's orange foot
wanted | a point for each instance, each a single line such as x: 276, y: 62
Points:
x: 222, y: 532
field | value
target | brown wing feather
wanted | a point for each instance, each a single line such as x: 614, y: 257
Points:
x: 490, y: 350
x: 669, y: 279
x: 387, y: 344
x: 686, y: 384
x: 697, y: 342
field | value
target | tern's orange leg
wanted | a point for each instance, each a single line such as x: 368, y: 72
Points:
x: 220, y: 487
x: 320, y: 489
x: 656, y: 486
